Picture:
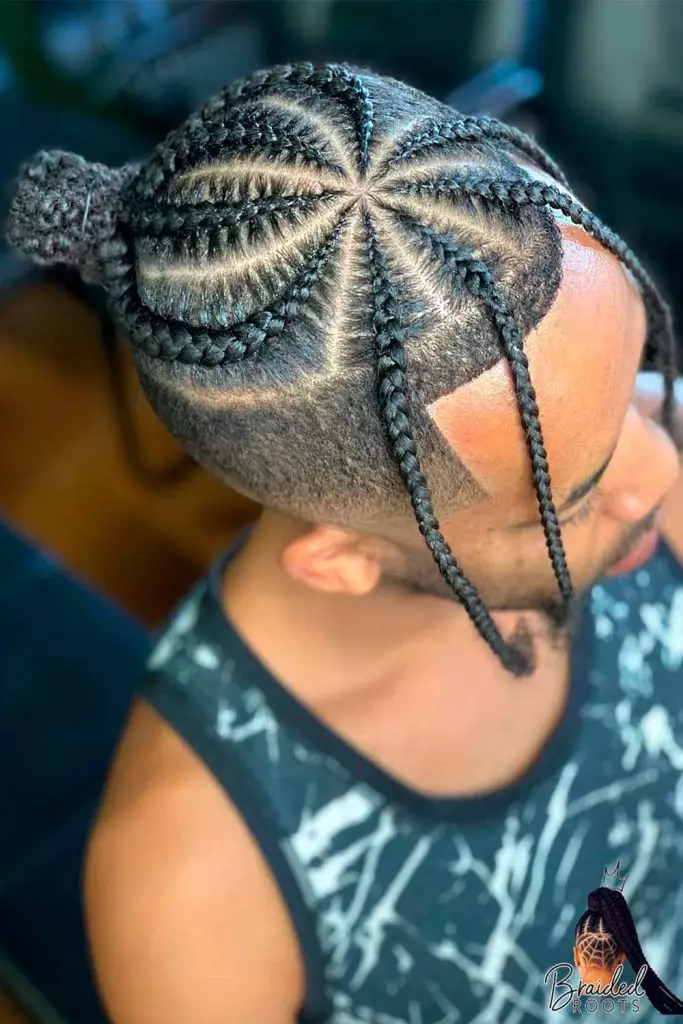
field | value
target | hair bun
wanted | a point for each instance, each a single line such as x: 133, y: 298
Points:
x: 65, y: 211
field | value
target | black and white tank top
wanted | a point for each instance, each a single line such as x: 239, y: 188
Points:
x: 418, y: 910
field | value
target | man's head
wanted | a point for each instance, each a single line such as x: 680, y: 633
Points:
x: 339, y: 292
x: 611, y: 468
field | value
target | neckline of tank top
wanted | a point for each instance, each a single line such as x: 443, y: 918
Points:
x: 558, y: 749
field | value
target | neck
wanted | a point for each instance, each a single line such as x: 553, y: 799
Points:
x: 595, y: 976
x: 303, y: 635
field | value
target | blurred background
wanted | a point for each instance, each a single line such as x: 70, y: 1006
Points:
x: 86, y: 471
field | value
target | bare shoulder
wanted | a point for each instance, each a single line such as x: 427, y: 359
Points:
x: 184, y: 919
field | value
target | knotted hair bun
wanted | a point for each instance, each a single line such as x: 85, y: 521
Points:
x: 65, y: 211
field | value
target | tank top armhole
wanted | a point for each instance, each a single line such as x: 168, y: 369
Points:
x: 174, y: 706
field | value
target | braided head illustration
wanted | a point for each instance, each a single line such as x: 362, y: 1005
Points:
x: 606, y: 937
x: 303, y: 269
x: 596, y: 952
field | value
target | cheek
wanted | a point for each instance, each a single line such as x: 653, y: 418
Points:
x: 492, y: 557
x: 519, y: 563
x: 586, y: 544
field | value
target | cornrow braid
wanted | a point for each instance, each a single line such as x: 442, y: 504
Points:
x: 432, y: 134
x: 522, y: 191
x: 594, y: 943
x: 394, y: 404
x: 244, y: 130
x: 332, y: 80
x: 217, y: 251
x: 174, y: 341
x: 157, y: 219
x: 477, y: 278
x: 661, y: 341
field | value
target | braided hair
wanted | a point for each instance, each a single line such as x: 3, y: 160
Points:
x: 306, y: 264
x: 606, y: 930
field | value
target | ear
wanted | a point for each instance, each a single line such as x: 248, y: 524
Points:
x: 577, y: 961
x: 333, y: 560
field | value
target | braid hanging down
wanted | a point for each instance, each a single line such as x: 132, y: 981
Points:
x: 476, y: 277
x: 519, y: 192
x: 258, y: 262
x: 394, y: 406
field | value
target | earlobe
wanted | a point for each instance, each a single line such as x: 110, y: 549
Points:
x: 360, y: 575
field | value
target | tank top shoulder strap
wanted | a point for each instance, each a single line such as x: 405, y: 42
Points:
x: 198, y: 683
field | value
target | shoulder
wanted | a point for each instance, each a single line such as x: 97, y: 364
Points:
x: 185, y: 922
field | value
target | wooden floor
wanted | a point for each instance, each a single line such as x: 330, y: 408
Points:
x: 64, y: 480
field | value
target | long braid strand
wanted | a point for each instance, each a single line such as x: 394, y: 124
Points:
x: 477, y: 278
x: 523, y: 191
x: 395, y: 411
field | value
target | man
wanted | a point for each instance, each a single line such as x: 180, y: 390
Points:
x: 375, y: 769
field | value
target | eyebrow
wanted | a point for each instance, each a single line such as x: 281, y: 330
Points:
x: 575, y: 495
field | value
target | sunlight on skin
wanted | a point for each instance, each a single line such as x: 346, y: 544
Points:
x: 583, y: 389
x: 583, y: 360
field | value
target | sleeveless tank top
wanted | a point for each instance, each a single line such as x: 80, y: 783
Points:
x: 418, y: 910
